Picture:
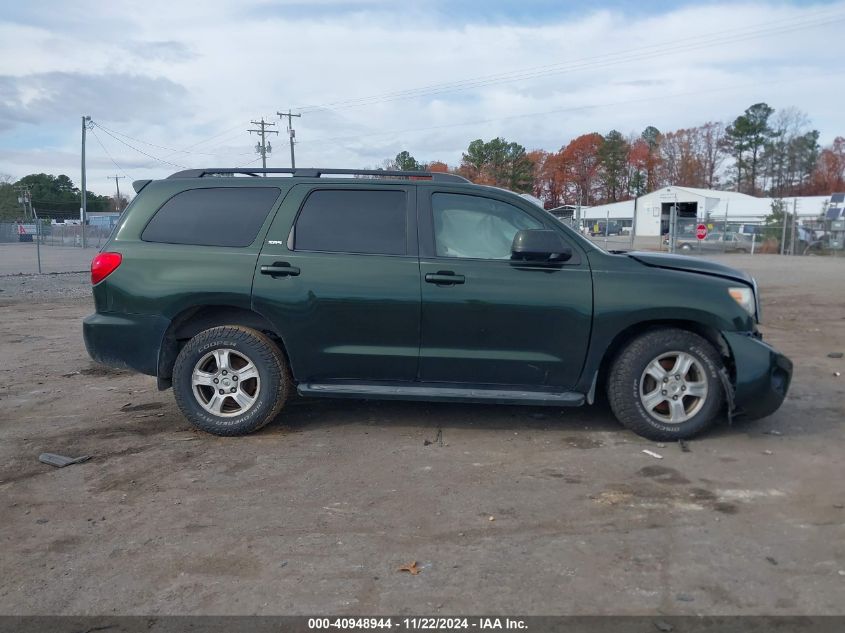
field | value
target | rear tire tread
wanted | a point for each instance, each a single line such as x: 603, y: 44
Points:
x: 266, y: 352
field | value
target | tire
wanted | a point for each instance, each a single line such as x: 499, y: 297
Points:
x: 253, y: 393
x: 633, y: 385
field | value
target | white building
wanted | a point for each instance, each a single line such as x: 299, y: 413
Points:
x: 698, y: 205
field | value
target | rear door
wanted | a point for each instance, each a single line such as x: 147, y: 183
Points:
x: 487, y: 319
x: 338, y: 276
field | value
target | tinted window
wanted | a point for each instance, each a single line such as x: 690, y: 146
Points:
x: 480, y: 228
x: 218, y: 216
x: 344, y: 221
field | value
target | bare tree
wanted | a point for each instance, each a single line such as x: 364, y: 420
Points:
x: 712, y: 152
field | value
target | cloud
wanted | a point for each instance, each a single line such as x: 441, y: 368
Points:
x: 41, y: 97
x: 537, y: 72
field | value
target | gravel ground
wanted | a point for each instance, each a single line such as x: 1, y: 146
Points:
x: 45, y: 287
x: 504, y: 509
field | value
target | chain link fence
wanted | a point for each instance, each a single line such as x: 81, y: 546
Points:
x: 802, y: 237
x: 44, y: 247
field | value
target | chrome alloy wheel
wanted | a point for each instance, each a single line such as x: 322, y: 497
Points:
x: 673, y: 387
x: 225, y: 383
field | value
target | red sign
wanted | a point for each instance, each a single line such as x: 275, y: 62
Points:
x: 701, y: 231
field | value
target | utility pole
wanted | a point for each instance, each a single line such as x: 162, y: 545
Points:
x: 24, y: 197
x: 291, y: 134
x: 83, y: 211
x: 794, y: 224
x: 263, y: 147
x: 117, y: 184
x: 783, y: 232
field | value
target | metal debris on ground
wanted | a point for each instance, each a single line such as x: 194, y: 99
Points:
x: 684, y: 446
x: 652, y: 453
x: 411, y: 568
x: 768, y: 452
x: 60, y: 461
x: 772, y: 432
x: 835, y: 355
x: 837, y: 374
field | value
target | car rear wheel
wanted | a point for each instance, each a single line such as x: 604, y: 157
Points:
x: 230, y: 380
x: 665, y: 385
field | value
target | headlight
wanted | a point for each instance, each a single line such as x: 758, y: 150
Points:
x: 744, y: 296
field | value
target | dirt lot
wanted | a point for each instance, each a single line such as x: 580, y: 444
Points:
x: 505, y: 510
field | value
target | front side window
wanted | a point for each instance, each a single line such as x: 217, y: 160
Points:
x: 215, y: 216
x: 475, y: 227
x: 353, y: 221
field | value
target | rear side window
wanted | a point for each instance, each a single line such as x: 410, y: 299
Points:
x: 353, y: 221
x: 218, y: 216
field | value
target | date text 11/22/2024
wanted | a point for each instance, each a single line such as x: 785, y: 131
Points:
x: 418, y: 623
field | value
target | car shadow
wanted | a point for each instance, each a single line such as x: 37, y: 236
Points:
x: 315, y: 413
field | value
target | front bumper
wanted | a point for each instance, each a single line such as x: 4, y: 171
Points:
x: 128, y: 341
x: 762, y: 375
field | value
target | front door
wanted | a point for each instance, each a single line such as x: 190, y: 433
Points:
x: 338, y: 277
x: 487, y: 319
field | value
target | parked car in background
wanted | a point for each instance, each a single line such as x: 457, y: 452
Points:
x: 716, y: 242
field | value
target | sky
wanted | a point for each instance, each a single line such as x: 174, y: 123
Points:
x: 171, y: 85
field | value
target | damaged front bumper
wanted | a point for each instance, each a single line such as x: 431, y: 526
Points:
x: 762, y: 375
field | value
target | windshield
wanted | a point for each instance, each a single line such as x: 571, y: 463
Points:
x: 585, y: 242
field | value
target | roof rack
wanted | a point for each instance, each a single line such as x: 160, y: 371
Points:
x: 312, y: 172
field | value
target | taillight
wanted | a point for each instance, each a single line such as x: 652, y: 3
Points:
x: 104, y: 265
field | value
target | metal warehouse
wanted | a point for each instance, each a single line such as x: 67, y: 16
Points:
x: 653, y: 210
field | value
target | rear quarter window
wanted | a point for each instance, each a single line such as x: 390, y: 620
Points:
x: 215, y: 216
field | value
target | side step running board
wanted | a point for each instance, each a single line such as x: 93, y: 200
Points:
x: 435, y: 393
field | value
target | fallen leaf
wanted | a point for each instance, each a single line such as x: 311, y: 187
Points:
x: 411, y: 568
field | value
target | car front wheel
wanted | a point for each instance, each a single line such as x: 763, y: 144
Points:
x: 230, y: 380
x: 665, y: 385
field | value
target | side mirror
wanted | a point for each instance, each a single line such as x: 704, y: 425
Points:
x: 540, y: 245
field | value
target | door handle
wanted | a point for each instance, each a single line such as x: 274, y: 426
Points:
x: 280, y: 269
x: 444, y: 278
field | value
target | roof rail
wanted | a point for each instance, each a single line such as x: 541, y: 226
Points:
x: 313, y: 172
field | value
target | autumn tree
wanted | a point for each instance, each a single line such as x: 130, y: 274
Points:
x: 680, y: 161
x: 582, y: 158
x: 829, y: 173
x: 551, y: 177
x: 639, y: 164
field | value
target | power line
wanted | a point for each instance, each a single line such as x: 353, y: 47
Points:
x: 114, y: 162
x: 140, y: 151
x: 138, y: 140
x: 600, y: 61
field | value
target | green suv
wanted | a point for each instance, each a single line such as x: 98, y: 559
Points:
x: 238, y: 290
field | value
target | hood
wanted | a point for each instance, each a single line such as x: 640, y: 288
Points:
x: 690, y: 264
